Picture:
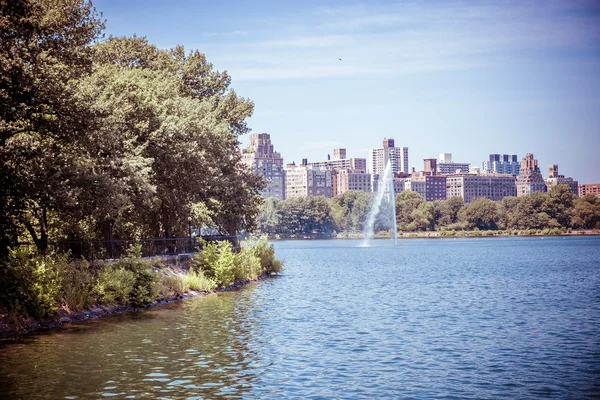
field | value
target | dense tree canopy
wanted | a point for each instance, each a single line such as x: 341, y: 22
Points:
x: 113, y: 138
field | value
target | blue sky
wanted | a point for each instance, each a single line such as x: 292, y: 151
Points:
x: 463, y: 77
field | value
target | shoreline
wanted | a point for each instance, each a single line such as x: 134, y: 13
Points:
x: 447, y: 235
x: 11, y: 330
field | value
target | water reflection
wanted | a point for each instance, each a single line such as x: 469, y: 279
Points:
x: 198, y: 347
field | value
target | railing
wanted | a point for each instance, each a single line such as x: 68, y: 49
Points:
x: 111, y: 249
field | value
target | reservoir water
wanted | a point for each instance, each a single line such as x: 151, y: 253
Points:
x: 430, y: 318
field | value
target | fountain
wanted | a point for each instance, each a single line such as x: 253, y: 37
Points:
x: 385, y: 193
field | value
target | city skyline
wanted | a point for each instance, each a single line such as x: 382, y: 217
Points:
x: 441, y: 76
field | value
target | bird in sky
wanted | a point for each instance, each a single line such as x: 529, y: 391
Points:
x: 340, y: 59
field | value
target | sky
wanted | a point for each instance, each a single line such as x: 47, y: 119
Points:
x: 463, y: 77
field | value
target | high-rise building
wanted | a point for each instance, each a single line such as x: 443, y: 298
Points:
x: 340, y: 162
x: 502, y: 164
x: 446, y: 166
x: 553, y: 171
x: 445, y: 157
x: 472, y: 186
x: 554, y: 178
x: 339, y: 154
x: 430, y: 166
x: 305, y: 180
x: 263, y: 160
x: 589, y: 188
x: 530, y: 178
x: 396, y: 156
x: 430, y: 187
x: 349, y: 179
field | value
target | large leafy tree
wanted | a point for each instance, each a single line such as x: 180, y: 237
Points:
x: 117, y: 138
x: 44, y: 50
x: 186, y: 123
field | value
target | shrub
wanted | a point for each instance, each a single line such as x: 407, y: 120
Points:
x: 173, y: 285
x: 248, y: 264
x: 146, y: 285
x: 197, y: 281
x: 77, y: 285
x: 266, y: 254
x: 114, y: 285
x: 30, y: 283
x: 217, y: 262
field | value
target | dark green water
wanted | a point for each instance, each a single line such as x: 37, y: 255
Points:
x: 444, y: 318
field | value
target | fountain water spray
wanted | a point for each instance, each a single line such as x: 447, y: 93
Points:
x: 385, y: 192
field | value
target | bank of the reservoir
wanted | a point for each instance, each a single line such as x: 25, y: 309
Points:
x: 43, y: 292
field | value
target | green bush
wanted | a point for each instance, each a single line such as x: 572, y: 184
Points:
x: 173, y: 285
x: 114, y: 285
x: 77, y: 285
x: 266, y: 254
x: 197, y: 281
x: 146, y: 283
x: 217, y: 262
x: 30, y: 283
x: 247, y: 264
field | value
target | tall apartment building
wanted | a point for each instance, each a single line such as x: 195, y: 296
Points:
x: 430, y: 187
x: 502, y: 164
x: 397, y: 156
x: 340, y: 162
x: 263, y: 160
x: 472, y: 186
x: 349, y: 179
x: 530, y: 178
x: 304, y: 180
x: 446, y: 166
x: 593, y: 188
x: 554, y: 178
x: 399, y: 182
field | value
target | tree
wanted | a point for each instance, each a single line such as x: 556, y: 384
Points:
x: 482, y: 213
x: 586, y: 212
x: 44, y: 50
x: 269, y: 218
x: 530, y: 213
x: 449, y: 210
x: 351, y: 209
x: 559, y: 204
x: 407, y: 201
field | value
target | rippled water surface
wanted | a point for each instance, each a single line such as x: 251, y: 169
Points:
x: 445, y: 318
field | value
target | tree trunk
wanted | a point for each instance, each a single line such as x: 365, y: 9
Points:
x: 41, y: 241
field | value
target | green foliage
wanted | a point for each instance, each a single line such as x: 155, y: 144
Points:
x: 197, y: 281
x: 77, y: 285
x: 219, y: 264
x: 96, y: 137
x: 114, y: 285
x: 265, y: 252
x: 247, y: 264
x: 30, y: 283
x: 146, y: 282
x: 173, y: 285
x: 482, y: 214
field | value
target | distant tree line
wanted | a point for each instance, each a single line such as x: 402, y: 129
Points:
x: 321, y: 217
x: 113, y: 138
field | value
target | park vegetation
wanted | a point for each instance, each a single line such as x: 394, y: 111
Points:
x: 113, y: 138
x: 37, y: 285
x: 105, y: 138
x: 556, y: 211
